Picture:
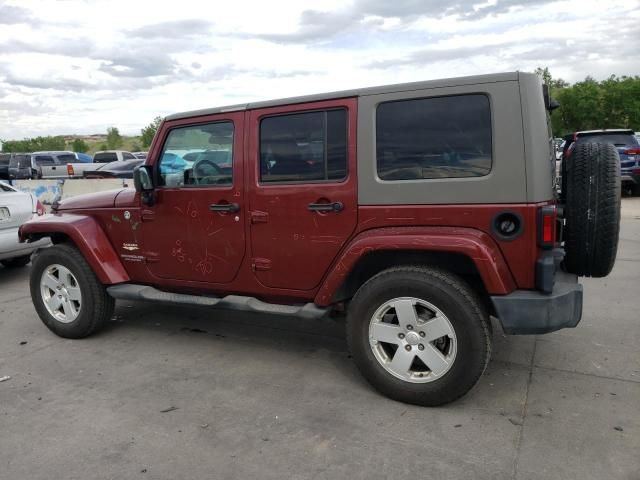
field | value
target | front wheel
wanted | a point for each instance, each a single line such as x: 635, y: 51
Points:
x: 67, y: 295
x: 419, y: 335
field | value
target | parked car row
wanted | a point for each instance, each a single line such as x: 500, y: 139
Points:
x: 627, y: 145
x: 61, y: 164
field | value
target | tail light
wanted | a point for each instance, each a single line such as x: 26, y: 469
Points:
x: 635, y: 171
x: 631, y: 151
x: 70, y: 171
x: 547, y: 217
x: 39, y: 208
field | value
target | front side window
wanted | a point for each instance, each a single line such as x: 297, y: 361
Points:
x: 198, y: 155
x: 304, y: 147
x: 438, y: 137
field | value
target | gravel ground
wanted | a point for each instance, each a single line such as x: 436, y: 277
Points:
x: 181, y: 393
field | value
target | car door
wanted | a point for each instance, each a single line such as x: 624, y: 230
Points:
x: 47, y: 166
x: 195, y: 230
x: 15, y: 209
x: 302, y: 190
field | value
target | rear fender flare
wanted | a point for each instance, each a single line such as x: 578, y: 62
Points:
x: 475, y: 244
x: 87, y: 235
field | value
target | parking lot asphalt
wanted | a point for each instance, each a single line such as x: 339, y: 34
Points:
x: 184, y: 393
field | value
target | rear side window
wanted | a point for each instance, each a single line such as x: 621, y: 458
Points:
x: 4, y: 159
x: 105, y: 157
x: 438, y: 137
x: 304, y: 147
x: 127, y: 156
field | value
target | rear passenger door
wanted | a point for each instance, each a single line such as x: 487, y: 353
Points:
x: 302, y: 190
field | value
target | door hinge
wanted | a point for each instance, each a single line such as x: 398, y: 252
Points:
x: 259, y: 217
x: 260, y: 264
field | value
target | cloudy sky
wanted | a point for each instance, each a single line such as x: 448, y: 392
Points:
x: 81, y: 66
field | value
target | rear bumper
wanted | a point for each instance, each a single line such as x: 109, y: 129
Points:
x: 530, y: 312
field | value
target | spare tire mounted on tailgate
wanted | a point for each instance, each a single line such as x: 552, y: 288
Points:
x: 592, y: 209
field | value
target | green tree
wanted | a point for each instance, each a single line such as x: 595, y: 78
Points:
x: 148, y: 132
x: 35, y: 144
x: 589, y: 104
x: 79, y: 145
x: 114, y: 139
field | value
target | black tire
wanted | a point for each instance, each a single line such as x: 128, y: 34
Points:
x: 16, y: 262
x: 592, y: 209
x: 97, y: 305
x: 456, y: 300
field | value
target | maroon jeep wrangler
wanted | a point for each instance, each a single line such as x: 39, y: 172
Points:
x: 420, y: 209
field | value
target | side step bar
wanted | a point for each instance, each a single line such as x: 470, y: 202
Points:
x: 130, y: 291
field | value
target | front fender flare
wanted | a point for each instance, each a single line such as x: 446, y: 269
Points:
x: 87, y: 235
x: 475, y: 244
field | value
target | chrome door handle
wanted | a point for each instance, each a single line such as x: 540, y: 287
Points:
x: 326, y: 207
x: 224, y: 207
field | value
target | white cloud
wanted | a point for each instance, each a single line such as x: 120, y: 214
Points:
x: 81, y: 66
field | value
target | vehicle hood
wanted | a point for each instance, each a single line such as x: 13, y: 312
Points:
x: 106, y: 199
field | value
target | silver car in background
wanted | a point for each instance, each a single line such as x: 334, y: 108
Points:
x: 16, y: 208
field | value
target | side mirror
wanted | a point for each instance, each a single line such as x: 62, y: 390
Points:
x: 143, y: 183
x: 142, y: 179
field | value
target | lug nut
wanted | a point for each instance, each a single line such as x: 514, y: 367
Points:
x: 421, y: 347
x: 408, y: 348
x: 409, y: 327
x: 401, y: 336
x: 422, y: 334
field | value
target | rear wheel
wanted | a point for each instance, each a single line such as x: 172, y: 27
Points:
x: 16, y: 262
x: 592, y: 209
x: 419, y: 335
x: 67, y: 295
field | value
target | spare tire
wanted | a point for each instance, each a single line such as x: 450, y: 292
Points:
x: 592, y: 209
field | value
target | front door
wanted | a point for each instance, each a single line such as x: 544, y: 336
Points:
x: 302, y: 190
x: 195, y: 230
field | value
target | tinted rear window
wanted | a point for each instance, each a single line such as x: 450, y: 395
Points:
x: 105, y: 157
x: 4, y: 159
x: 437, y: 137
x: 618, y: 139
